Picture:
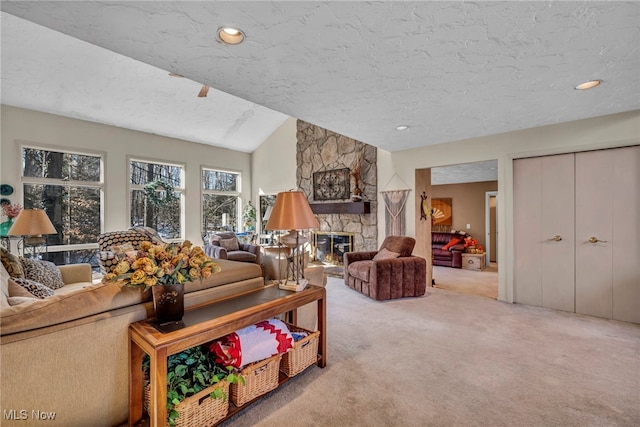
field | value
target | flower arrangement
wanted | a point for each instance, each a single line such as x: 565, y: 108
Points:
x: 470, y: 242
x: 162, y: 264
x: 10, y: 210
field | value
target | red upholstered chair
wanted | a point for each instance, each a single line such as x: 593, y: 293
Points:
x: 392, y: 272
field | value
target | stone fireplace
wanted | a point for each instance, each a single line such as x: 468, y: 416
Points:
x: 321, y: 150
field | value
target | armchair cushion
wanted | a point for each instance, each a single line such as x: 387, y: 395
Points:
x: 400, y: 244
x: 230, y: 244
x: 360, y: 270
x: 384, y: 253
x: 242, y: 256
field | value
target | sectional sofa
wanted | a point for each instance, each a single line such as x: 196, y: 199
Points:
x: 68, y: 354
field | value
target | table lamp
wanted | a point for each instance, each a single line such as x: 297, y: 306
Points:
x: 31, y: 224
x: 291, y: 211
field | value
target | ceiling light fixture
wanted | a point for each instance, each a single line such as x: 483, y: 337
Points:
x: 588, y: 85
x: 230, y: 35
x: 402, y: 127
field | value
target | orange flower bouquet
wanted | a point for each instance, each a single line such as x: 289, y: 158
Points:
x: 162, y: 264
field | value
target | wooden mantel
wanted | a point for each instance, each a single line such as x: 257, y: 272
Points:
x: 341, y: 208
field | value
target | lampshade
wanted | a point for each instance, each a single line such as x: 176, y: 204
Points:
x: 291, y: 212
x: 32, y: 222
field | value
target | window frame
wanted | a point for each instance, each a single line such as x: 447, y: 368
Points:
x: 237, y: 194
x: 28, y: 180
x: 181, y: 190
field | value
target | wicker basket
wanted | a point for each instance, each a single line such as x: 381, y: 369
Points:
x: 259, y: 378
x: 303, y: 354
x: 199, y: 410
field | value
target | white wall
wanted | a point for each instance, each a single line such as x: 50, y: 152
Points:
x: 601, y: 132
x: 19, y: 126
x: 273, y: 164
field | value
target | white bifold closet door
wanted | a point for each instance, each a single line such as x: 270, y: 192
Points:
x: 607, y: 233
x: 544, y: 231
x: 577, y: 232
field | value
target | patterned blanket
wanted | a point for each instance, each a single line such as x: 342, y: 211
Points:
x: 253, y: 343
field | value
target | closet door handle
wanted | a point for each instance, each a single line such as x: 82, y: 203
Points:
x: 596, y: 240
x: 555, y: 238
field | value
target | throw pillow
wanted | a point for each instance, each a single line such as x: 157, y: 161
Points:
x: 453, y: 241
x: 15, y: 290
x: 20, y: 300
x: 36, y: 289
x: 230, y: 244
x: 11, y: 263
x: 384, y: 253
x: 122, y: 249
x: 44, y: 272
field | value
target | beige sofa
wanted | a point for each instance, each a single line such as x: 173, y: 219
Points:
x: 68, y: 354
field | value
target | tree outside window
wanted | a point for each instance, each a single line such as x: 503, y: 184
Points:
x: 220, y: 200
x: 68, y: 187
x: 165, y: 218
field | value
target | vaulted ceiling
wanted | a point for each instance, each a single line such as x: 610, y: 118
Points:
x: 448, y: 70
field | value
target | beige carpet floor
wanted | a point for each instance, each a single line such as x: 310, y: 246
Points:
x: 450, y: 359
x: 483, y: 283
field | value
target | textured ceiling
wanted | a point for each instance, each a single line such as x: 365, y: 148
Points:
x: 449, y: 70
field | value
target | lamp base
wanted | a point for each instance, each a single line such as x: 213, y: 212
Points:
x: 293, y: 286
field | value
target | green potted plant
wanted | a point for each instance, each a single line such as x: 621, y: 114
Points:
x: 190, y: 372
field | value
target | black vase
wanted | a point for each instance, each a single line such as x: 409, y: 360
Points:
x: 168, y: 302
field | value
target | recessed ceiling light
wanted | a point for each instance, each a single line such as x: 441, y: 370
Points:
x: 402, y: 127
x: 230, y: 35
x: 588, y: 85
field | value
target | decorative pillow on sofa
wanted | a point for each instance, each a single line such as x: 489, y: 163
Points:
x: 384, y: 253
x: 122, y: 249
x: 230, y: 244
x: 34, y: 288
x: 452, y: 242
x: 11, y: 263
x: 15, y: 290
x: 44, y: 272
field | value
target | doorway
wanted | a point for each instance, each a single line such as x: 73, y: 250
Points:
x: 491, y: 226
x: 472, y: 189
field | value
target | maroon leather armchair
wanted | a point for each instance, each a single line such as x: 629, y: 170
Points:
x: 390, y: 273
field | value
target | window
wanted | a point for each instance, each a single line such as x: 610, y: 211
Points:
x: 220, y: 200
x: 68, y: 187
x: 165, y: 218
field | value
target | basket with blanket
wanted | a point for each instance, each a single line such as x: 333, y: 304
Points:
x: 256, y: 352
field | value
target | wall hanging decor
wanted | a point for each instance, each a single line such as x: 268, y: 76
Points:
x: 331, y: 185
x: 445, y: 216
x: 395, y: 202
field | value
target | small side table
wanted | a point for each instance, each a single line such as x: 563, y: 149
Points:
x: 473, y: 261
x: 274, y: 259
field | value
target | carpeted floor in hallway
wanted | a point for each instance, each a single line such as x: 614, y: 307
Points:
x: 450, y: 359
x: 482, y: 283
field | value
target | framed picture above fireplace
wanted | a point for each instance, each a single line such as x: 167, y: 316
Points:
x: 331, y: 185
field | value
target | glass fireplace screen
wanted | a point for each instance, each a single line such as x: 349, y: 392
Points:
x: 329, y: 246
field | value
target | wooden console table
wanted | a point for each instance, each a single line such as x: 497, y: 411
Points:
x: 205, y: 323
